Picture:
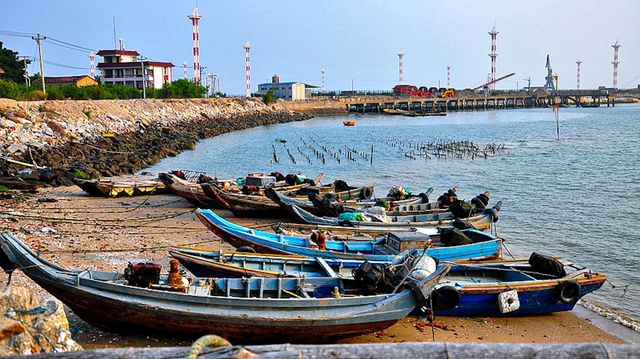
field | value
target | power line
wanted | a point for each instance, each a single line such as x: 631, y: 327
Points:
x: 15, y: 33
x: 62, y: 65
x: 68, y: 47
x: 70, y: 44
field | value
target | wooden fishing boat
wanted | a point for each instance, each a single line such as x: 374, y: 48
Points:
x: 241, y: 309
x: 191, y: 190
x: 253, y: 203
x: 413, y: 205
x: 384, y: 248
x: 512, y: 288
x: 303, y: 198
x: 241, y: 204
x: 468, y: 290
x: 481, y: 221
x: 207, y: 263
x: 349, y: 122
x: 122, y: 186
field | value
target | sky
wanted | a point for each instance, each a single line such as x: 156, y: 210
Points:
x: 351, y: 40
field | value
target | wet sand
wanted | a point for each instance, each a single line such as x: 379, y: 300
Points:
x: 82, y: 232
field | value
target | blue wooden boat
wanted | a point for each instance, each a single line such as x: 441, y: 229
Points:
x: 468, y: 290
x: 385, y: 248
x: 245, y: 310
x: 485, y: 290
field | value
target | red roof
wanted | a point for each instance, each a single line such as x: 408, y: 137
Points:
x: 118, y: 65
x: 117, y: 52
x: 1, y: 70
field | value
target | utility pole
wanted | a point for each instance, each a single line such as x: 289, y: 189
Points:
x: 528, y: 79
x: 38, y: 39
x: 27, y: 80
x: 578, y: 62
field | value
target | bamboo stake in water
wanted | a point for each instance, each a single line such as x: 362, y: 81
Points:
x: 556, y: 109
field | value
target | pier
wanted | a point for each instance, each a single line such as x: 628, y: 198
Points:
x: 578, y: 98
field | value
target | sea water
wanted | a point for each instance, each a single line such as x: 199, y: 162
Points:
x: 577, y: 197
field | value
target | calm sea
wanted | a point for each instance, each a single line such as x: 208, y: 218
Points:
x: 578, y: 197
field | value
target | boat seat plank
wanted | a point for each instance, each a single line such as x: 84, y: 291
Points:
x: 330, y: 272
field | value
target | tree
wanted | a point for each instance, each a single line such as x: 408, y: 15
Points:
x: 13, y: 67
x: 268, y: 98
x: 182, y: 89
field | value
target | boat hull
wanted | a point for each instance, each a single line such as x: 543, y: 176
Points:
x: 481, y: 250
x: 534, y: 299
x: 190, y: 191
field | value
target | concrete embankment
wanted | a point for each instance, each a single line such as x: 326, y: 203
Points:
x: 110, y: 137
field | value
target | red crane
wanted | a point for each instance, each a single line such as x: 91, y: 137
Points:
x: 494, y: 81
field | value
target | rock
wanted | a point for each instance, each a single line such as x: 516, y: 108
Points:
x: 16, y: 148
x: 31, y: 325
x: 8, y: 124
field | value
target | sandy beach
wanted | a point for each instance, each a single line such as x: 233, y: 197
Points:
x: 81, y: 232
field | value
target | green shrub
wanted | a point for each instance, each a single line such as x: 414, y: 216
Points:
x: 9, y: 90
x: 268, y: 98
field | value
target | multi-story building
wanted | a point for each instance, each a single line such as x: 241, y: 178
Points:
x: 122, y: 67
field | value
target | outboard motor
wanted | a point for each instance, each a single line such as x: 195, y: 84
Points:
x: 447, y: 198
x: 481, y: 201
x: 369, y: 276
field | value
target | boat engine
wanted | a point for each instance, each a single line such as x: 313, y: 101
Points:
x: 142, y: 274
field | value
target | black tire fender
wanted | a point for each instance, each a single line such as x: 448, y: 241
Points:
x: 366, y: 192
x: 568, y: 291
x: 445, y: 298
x: 494, y: 214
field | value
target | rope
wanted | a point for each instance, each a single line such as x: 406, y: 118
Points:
x: 84, y: 209
x: 148, y: 219
x: 130, y: 249
x: 507, y: 249
x: 206, y: 341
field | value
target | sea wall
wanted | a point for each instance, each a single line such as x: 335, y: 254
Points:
x: 110, y: 137
x: 330, y: 106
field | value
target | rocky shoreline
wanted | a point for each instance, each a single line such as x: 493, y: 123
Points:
x: 112, y: 137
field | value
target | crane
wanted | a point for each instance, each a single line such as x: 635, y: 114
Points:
x: 494, y: 81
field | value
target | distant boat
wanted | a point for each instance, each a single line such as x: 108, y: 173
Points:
x: 349, y: 122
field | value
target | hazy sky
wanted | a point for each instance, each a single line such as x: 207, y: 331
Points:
x: 350, y: 39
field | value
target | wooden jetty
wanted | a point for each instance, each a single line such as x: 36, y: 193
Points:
x: 579, y: 98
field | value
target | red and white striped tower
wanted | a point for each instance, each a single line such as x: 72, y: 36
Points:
x: 448, y: 76
x: 493, y: 55
x: 195, y: 18
x: 616, y: 62
x: 400, y: 67
x: 578, y: 62
x: 247, y: 68
x: 184, y: 69
x: 92, y: 63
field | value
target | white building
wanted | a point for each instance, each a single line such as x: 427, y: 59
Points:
x: 290, y: 91
x: 121, y: 67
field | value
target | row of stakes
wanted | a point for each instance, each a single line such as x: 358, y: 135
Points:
x: 313, y: 149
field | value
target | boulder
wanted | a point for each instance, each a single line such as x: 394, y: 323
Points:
x: 31, y: 324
